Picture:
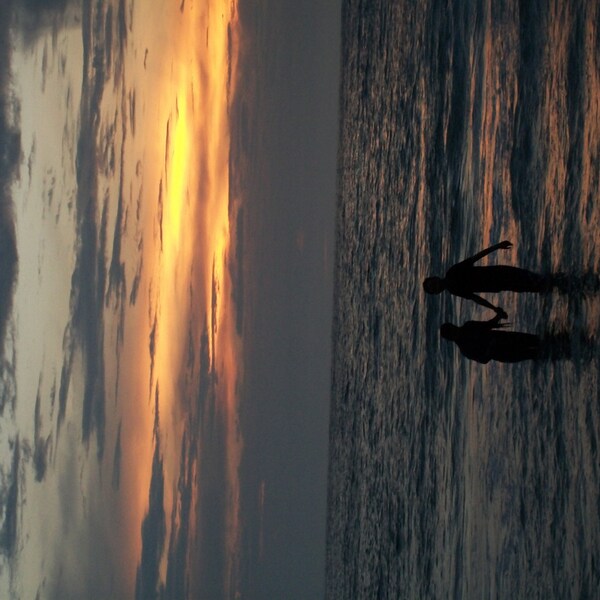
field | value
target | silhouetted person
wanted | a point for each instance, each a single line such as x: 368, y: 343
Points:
x: 464, y: 279
x: 483, y: 341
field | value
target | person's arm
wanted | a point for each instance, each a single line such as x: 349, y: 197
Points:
x: 505, y: 245
x: 480, y: 326
x: 500, y: 314
x: 494, y: 323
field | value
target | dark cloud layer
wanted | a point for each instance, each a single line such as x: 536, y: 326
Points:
x: 116, y: 473
x: 195, y: 559
x: 33, y: 18
x: 183, y: 564
x: 42, y: 444
x: 8, y: 383
x: 96, y: 281
x: 212, y: 501
x: 85, y: 329
x: 236, y: 268
x: 117, y: 284
x: 177, y: 584
x: 152, y: 342
x: 10, y: 158
x: 206, y: 376
x: 65, y: 377
x: 135, y: 285
x: 10, y: 502
x: 147, y: 584
x: 37, y: 6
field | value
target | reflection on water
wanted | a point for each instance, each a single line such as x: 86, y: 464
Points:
x: 462, y: 127
x: 575, y: 284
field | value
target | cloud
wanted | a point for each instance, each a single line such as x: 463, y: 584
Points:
x: 65, y: 377
x: 160, y: 212
x: 10, y: 159
x: 196, y: 558
x: 8, y: 263
x: 8, y: 382
x: 10, y: 502
x: 213, y: 317
x: 36, y: 17
x: 132, y: 113
x: 116, y: 474
x: 236, y: 270
x: 135, y: 285
x: 177, y: 582
x: 147, y: 584
x: 44, y: 5
x: 87, y: 302
x: 117, y: 283
x: 212, y: 486
x: 85, y: 329
x: 206, y: 378
x: 42, y: 445
x: 90, y: 277
x: 108, y: 37
x: 152, y: 343
x: 121, y: 26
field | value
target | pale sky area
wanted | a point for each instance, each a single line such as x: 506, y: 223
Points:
x: 165, y: 368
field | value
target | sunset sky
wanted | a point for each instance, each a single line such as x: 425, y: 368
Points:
x: 165, y: 368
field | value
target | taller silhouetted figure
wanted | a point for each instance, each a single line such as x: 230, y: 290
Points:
x: 464, y: 279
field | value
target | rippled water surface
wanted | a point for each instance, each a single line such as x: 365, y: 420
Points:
x: 463, y: 124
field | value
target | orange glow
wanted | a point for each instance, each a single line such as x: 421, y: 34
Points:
x: 185, y: 145
x: 178, y: 173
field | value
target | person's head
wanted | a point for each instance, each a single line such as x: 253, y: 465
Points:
x: 434, y: 285
x: 449, y: 331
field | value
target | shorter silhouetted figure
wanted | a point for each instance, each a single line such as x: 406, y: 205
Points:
x: 464, y: 279
x: 483, y: 341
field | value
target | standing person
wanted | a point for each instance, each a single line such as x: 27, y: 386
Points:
x: 464, y: 279
x: 483, y: 341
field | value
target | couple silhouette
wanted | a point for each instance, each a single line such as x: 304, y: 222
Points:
x: 484, y: 341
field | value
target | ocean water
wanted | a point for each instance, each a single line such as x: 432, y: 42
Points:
x: 464, y: 123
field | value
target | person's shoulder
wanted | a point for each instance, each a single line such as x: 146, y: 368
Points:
x: 458, y: 268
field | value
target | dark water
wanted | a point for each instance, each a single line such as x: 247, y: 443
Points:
x: 463, y: 124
